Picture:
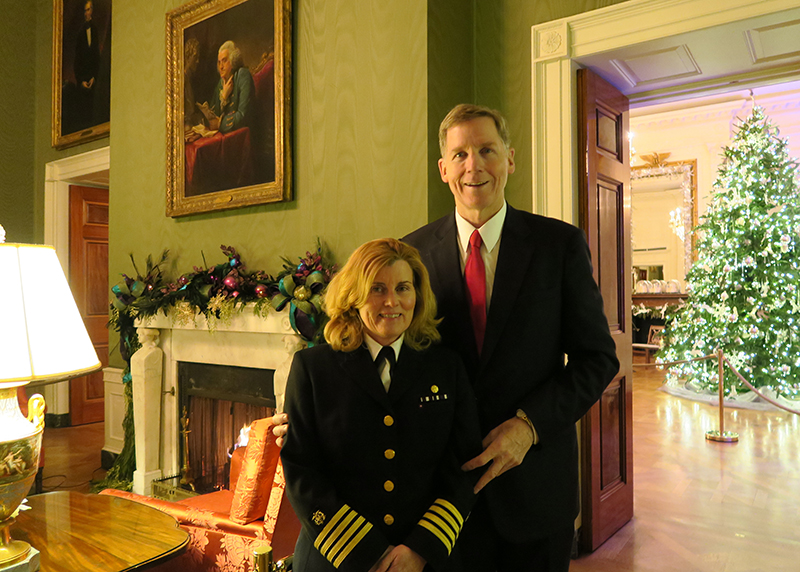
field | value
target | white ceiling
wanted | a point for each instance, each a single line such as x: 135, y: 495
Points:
x: 749, y: 53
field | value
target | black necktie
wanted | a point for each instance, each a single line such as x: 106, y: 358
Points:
x: 386, y: 353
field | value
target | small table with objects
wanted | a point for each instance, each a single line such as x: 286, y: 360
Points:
x: 97, y: 533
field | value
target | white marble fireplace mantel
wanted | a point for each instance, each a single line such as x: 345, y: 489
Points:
x: 246, y: 341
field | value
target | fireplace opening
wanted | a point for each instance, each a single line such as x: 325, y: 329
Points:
x: 217, y: 401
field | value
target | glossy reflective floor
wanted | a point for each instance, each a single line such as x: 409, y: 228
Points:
x: 701, y: 506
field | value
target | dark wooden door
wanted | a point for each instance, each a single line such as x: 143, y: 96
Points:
x: 88, y: 278
x: 604, y: 207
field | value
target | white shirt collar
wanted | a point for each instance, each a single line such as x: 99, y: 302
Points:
x: 374, y: 347
x: 490, y: 231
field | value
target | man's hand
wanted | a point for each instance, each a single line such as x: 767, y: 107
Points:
x: 281, y: 422
x: 227, y: 90
x: 400, y: 559
x: 505, y: 446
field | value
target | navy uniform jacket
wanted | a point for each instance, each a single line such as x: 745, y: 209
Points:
x: 545, y: 305
x: 366, y: 469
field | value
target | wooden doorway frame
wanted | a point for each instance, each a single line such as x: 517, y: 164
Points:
x: 558, y: 46
x: 82, y: 169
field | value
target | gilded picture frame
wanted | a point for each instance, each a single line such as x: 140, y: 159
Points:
x: 81, y: 75
x: 229, y: 105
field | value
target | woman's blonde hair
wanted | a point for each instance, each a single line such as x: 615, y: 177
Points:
x: 350, y: 288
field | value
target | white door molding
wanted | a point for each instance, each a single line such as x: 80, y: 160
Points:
x: 556, y: 45
x: 82, y: 168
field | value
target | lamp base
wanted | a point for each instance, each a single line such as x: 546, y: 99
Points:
x: 11, y: 551
x: 31, y: 563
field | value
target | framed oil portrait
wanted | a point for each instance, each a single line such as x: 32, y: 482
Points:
x: 228, y: 105
x: 81, y: 71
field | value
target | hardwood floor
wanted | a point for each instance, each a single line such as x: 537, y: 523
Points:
x: 72, y: 457
x: 699, y: 506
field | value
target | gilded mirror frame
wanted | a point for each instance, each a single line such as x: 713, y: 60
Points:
x: 687, y: 172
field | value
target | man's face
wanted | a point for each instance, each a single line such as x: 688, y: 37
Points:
x: 476, y: 166
x: 87, y: 11
x: 224, y: 65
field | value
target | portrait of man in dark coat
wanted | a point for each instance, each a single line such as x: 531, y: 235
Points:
x: 85, y: 65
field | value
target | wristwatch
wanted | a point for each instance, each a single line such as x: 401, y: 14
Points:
x: 521, y: 415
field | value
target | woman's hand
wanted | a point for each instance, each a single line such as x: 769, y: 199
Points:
x: 379, y: 565
x: 400, y: 559
x: 281, y: 426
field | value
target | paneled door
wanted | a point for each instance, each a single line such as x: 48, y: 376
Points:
x: 88, y: 278
x: 604, y: 209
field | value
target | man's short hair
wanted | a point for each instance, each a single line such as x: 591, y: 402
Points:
x: 234, y: 54
x: 464, y: 112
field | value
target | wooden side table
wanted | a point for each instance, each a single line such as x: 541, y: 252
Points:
x: 97, y: 533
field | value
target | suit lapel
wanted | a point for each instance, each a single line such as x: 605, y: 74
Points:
x: 359, y: 367
x: 448, y: 284
x: 516, y: 250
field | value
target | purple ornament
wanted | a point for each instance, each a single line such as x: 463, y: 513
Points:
x: 261, y: 291
x: 230, y: 282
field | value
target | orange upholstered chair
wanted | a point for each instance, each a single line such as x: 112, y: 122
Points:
x: 226, y: 526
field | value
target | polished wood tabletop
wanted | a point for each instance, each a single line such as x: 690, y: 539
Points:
x: 97, y: 533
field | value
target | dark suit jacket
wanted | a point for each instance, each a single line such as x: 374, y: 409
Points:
x: 348, y: 437
x: 545, y: 305
x: 87, y: 58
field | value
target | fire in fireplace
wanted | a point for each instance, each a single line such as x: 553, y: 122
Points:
x: 219, y: 400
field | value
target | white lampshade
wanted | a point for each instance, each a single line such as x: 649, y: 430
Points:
x: 42, y: 335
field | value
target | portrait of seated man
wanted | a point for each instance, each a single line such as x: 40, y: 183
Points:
x: 225, y: 148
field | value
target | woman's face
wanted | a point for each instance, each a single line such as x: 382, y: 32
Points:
x: 389, y: 308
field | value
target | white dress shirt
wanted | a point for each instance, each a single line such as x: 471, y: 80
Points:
x: 375, y: 348
x: 490, y: 232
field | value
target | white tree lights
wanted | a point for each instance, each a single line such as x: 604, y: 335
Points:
x: 744, y: 294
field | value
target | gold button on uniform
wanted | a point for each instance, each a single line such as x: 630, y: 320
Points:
x: 389, y: 453
x: 388, y: 421
x: 388, y: 519
x: 388, y: 486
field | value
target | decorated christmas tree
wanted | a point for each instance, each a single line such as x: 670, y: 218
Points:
x: 744, y: 294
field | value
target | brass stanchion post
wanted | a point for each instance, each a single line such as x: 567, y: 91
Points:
x: 721, y: 435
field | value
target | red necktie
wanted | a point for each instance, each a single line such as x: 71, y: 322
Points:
x: 475, y: 276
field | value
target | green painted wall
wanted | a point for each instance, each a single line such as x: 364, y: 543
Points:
x: 43, y: 151
x: 359, y: 140
x: 17, y: 46
x: 451, y: 80
x: 372, y: 80
x: 503, y: 68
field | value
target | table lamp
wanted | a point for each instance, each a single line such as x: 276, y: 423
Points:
x: 42, y: 340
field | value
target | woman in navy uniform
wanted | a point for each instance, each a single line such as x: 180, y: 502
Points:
x: 381, y: 420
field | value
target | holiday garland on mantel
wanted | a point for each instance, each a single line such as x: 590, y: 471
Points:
x: 217, y: 292
x: 743, y: 289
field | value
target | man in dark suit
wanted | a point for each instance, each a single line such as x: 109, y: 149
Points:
x: 87, y: 65
x: 513, y: 312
